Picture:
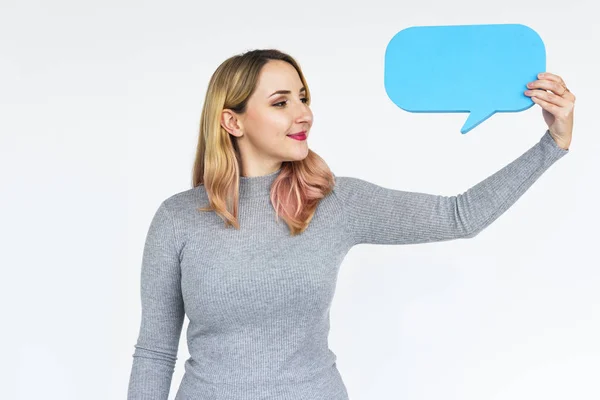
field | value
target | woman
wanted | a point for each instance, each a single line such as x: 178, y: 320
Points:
x: 257, y: 291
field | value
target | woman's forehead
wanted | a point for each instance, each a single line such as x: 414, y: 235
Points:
x: 280, y: 76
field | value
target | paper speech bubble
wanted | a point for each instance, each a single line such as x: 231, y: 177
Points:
x: 480, y: 69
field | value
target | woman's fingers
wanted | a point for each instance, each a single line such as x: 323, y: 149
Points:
x: 552, y: 77
x: 546, y: 105
x: 545, y: 84
x: 550, y: 88
x: 550, y: 97
x: 562, y: 86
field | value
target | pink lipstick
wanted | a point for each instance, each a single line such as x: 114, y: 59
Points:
x: 299, y: 136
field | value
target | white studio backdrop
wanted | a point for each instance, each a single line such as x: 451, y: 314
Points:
x: 99, y: 110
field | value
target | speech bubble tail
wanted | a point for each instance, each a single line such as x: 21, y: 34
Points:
x: 475, y: 118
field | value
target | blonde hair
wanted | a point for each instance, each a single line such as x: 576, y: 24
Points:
x: 299, y: 186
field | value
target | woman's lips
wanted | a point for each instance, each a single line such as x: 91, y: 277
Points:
x: 299, y: 135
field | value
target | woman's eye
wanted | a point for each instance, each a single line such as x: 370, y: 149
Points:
x: 283, y: 102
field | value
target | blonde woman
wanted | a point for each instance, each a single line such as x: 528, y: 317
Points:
x: 251, y: 253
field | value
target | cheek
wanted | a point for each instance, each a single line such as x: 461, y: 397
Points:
x: 275, y: 124
x: 268, y: 125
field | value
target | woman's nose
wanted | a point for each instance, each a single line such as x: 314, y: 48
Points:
x: 304, y: 113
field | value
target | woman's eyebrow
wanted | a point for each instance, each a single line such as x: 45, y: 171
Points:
x: 286, y: 92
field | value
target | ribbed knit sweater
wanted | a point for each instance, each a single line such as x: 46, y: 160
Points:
x: 258, y: 300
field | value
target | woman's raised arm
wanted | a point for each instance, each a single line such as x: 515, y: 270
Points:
x: 378, y: 215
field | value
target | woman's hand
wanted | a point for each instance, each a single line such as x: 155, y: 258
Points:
x: 557, y: 106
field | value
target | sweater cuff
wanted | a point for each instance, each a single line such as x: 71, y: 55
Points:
x: 550, y: 143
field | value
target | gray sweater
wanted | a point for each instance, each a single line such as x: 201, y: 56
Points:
x: 258, y: 300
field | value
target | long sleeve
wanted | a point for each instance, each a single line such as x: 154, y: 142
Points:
x: 378, y: 215
x: 162, y: 312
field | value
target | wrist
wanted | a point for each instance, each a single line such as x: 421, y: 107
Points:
x: 563, y: 144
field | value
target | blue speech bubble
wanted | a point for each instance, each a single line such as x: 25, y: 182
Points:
x: 480, y: 69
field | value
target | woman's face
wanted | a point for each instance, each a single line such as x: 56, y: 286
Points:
x: 262, y: 131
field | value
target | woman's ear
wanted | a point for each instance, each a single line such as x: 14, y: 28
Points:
x: 231, y: 123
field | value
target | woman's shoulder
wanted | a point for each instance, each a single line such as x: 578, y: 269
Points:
x: 184, y: 199
x: 183, y: 206
x: 347, y: 187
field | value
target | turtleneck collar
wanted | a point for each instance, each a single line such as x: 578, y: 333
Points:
x: 251, y: 186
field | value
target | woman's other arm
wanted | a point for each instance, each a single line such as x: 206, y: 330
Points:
x: 162, y: 312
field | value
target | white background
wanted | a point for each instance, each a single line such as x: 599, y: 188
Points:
x: 99, y: 110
